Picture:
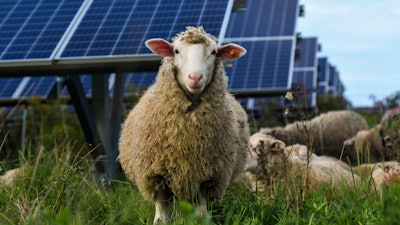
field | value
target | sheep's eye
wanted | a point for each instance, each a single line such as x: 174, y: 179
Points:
x: 176, y: 51
x: 213, y: 52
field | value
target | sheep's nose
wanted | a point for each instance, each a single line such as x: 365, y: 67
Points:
x: 195, y: 77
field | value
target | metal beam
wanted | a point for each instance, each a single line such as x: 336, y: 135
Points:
x: 115, y: 122
x: 85, y: 116
x: 86, y: 65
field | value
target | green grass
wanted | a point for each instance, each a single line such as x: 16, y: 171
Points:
x: 56, y: 188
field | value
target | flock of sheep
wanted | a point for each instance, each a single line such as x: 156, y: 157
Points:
x: 188, y: 138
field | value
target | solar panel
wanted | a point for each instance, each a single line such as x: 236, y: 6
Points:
x: 265, y: 66
x: 304, y: 83
x: 305, y: 71
x: 39, y: 86
x: 308, y: 53
x: 323, y: 69
x: 139, y: 80
x: 333, y: 76
x: 121, y: 27
x: 32, y: 29
x: 264, y: 18
x: 323, y: 76
x: 267, y: 30
x: 8, y: 86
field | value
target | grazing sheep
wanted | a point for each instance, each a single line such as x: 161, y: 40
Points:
x: 10, y: 176
x: 187, y: 138
x: 365, y: 146
x: 294, y: 167
x: 390, y: 120
x: 271, y: 162
x: 390, y: 123
x: 380, y: 143
x: 324, y: 133
x: 381, y: 173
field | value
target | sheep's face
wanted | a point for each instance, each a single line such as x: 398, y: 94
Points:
x: 194, y: 53
x: 265, y: 151
x: 194, y: 63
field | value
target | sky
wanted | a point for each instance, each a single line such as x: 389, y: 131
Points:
x: 362, y: 39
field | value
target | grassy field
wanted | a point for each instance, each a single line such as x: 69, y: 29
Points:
x: 56, y: 188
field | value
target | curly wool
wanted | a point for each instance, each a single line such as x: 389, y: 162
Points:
x: 171, y: 141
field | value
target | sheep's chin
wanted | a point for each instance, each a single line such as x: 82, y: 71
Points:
x: 195, y: 89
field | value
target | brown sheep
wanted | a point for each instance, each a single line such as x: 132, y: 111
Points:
x: 325, y: 133
x: 365, y: 146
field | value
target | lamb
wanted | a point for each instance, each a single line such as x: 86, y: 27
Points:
x: 271, y: 162
x: 324, y: 133
x: 187, y: 138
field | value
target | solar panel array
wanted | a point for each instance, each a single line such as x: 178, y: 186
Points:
x: 121, y: 27
x: 52, y: 29
x: 305, y: 71
x: 267, y: 30
x: 33, y: 30
x: 329, y: 81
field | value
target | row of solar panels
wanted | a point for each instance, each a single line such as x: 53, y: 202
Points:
x: 80, y: 28
x: 311, y: 75
x: 59, y: 29
x: 75, y: 28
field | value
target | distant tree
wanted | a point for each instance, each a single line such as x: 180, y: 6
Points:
x: 393, y: 100
x: 330, y: 102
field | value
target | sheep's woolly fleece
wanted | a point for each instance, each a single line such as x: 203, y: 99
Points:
x: 194, y: 35
x: 167, y: 140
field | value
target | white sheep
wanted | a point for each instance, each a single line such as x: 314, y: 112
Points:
x: 10, y: 176
x: 187, y: 137
x: 294, y: 167
x: 324, y: 133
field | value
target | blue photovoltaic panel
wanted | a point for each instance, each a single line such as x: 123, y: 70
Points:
x: 39, y: 86
x: 333, y: 75
x: 308, y: 53
x: 264, y: 18
x: 323, y: 69
x: 121, y: 27
x: 304, y: 82
x: 267, y: 30
x: 139, y: 80
x: 262, y: 67
x: 323, y: 76
x: 32, y: 29
x: 8, y: 86
x: 305, y: 71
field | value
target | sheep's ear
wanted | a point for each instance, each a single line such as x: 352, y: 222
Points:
x: 160, y: 47
x: 230, y: 52
x: 277, y: 145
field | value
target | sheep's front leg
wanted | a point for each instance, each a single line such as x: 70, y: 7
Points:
x: 201, y: 205
x: 163, y: 204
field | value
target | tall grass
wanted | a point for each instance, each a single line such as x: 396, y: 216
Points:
x: 56, y: 187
